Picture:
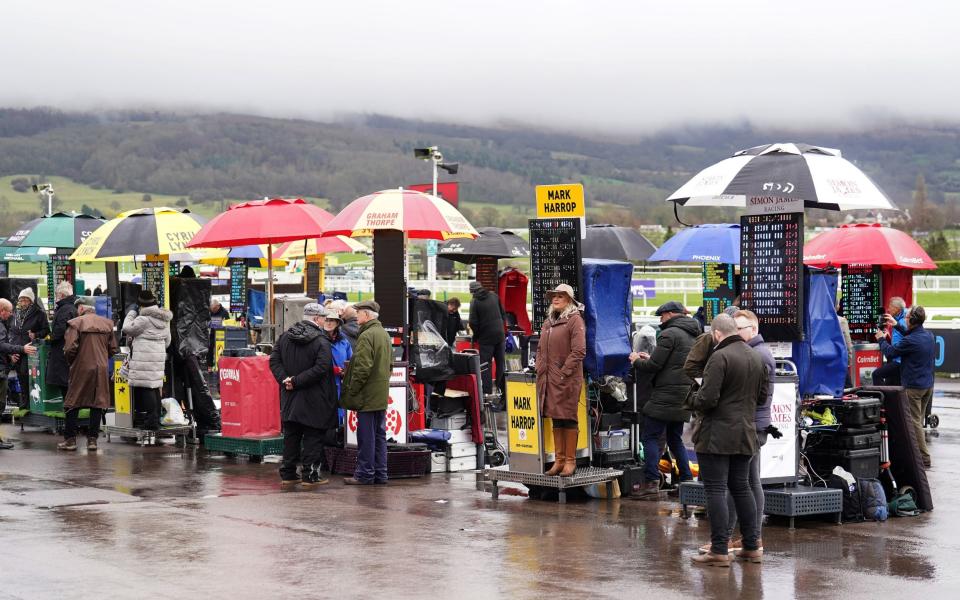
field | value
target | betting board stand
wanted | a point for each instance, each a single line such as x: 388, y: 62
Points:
x: 238, y: 287
x: 555, y: 258
x: 719, y: 288
x: 861, y: 299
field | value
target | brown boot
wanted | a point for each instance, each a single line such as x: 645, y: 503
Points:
x: 570, y: 443
x: 649, y: 491
x: 68, y: 444
x: 559, y: 451
x: 91, y: 444
x: 712, y: 560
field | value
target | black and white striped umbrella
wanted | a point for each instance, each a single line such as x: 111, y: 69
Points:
x: 820, y: 177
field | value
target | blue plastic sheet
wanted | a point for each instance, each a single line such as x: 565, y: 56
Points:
x: 608, y: 312
x: 256, y: 304
x: 821, y: 358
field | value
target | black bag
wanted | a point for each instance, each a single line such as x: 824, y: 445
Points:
x: 432, y: 357
x: 852, y: 510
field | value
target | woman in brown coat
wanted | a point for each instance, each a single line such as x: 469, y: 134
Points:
x: 88, y: 345
x: 560, y: 353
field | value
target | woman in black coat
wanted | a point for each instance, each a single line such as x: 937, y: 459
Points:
x: 29, y: 324
x: 58, y: 371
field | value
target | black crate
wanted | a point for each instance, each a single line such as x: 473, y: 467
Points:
x: 854, y: 412
x: 860, y: 463
x: 846, y: 439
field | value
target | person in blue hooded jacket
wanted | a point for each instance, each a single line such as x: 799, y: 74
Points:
x: 341, y: 350
x: 916, y: 350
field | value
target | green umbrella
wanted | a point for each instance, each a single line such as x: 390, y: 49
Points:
x: 25, y: 253
x: 60, y: 230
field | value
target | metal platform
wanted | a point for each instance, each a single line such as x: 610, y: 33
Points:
x: 146, y: 436
x: 583, y: 476
x: 786, y: 502
x: 254, y: 448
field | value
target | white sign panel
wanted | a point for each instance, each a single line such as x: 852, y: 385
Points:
x: 396, y: 411
x: 778, y: 457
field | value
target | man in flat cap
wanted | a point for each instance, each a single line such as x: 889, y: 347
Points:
x: 365, y: 389
x: 664, y: 412
x: 302, y: 363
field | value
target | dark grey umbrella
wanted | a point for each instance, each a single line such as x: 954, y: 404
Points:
x: 616, y: 243
x: 493, y: 241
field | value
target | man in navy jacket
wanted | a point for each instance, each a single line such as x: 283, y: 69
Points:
x: 916, y: 353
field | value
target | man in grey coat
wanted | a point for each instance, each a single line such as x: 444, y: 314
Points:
x: 735, y: 383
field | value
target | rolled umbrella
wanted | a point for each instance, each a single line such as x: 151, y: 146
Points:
x: 162, y: 231
x: 866, y: 243
x: 616, y: 243
x: 718, y: 243
x: 819, y: 176
x: 419, y: 215
x: 492, y: 241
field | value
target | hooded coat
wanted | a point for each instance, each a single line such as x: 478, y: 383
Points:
x: 58, y: 371
x: 559, y: 364
x: 670, y: 382
x: 303, y: 353
x: 735, y: 383
x: 148, y: 335
x: 89, y: 343
x: 486, y: 318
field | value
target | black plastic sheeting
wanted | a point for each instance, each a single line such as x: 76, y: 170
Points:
x: 608, y: 313
x: 190, y: 302
x: 429, y: 352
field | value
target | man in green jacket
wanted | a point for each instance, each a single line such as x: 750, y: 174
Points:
x: 366, y: 387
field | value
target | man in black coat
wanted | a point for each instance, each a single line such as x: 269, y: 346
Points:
x: 8, y: 352
x: 735, y: 383
x: 486, y: 323
x: 29, y: 324
x: 664, y: 412
x: 302, y: 363
x: 58, y: 371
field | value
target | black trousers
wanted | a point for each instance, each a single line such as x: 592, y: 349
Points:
x: 204, y: 410
x: 302, y: 444
x: 147, y: 401
x: 720, y: 473
x: 93, y: 426
x: 497, y: 353
x: 23, y: 374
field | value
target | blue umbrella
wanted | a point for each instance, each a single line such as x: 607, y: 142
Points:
x: 704, y: 243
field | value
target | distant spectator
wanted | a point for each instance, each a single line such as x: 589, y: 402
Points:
x: 486, y: 322
x: 98, y: 291
x: 454, y: 321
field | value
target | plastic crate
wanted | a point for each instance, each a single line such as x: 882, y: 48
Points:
x: 864, y: 463
x: 400, y: 463
x: 250, y: 446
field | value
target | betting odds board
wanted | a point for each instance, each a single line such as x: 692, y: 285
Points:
x: 59, y: 268
x: 555, y: 258
x: 487, y: 273
x: 861, y: 299
x: 153, y: 278
x: 311, y: 277
x: 238, y: 288
x: 771, y: 270
x: 719, y: 288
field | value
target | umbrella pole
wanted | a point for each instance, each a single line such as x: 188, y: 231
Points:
x: 270, y: 291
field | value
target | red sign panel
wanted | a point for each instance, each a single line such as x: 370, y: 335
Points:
x: 449, y: 191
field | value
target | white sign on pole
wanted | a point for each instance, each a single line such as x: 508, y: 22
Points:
x: 778, y: 457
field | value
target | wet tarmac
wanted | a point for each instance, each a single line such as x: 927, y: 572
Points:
x: 164, y: 522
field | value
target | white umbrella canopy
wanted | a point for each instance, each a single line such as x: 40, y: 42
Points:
x: 819, y: 176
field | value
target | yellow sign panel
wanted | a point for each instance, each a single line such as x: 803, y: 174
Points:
x: 121, y: 391
x: 523, y: 415
x: 559, y: 201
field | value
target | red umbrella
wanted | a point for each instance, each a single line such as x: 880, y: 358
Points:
x: 866, y: 243
x: 272, y: 221
x: 421, y: 216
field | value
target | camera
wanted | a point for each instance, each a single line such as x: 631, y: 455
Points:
x: 42, y: 187
x: 425, y: 153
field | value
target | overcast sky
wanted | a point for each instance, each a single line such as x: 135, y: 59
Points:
x: 616, y: 66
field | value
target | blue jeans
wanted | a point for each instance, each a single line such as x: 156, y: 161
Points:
x: 372, y: 442
x: 652, y: 430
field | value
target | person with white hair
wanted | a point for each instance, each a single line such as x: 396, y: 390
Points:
x: 9, y: 353
x: 29, y: 324
x: 58, y: 371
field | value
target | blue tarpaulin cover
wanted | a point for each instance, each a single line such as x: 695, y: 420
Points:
x: 821, y: 357
x: 256, y: 304
x: 608, y: 312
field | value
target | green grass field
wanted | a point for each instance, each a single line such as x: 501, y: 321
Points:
x: 73, y: 196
